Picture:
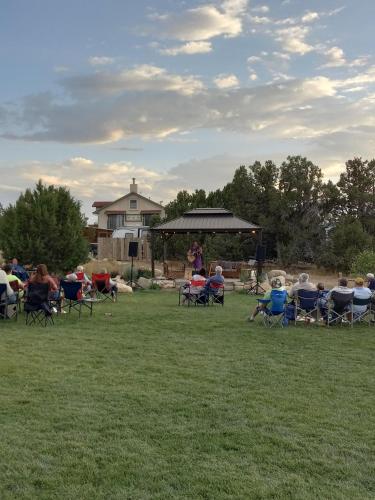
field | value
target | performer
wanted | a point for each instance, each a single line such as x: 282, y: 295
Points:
x: 195, y: 256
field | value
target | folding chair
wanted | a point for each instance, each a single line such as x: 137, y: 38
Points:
x: 307, y: 308
x: 339, y: 305
x: 190, y: 294
x: 102, y: 288
x: 364, y: 316
x: 274, y: 312
x: 74, y: 298
x: 215, y: 293
x: 36, y: 307
x: 8, y: 310
x: 15, y: 286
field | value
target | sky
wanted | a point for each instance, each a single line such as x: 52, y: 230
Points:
x: 178, y: 94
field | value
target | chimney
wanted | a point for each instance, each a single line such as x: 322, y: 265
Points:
x: 134, y: 187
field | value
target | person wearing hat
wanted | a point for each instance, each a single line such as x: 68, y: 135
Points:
x: 360, y: 292
x: 275, y: 285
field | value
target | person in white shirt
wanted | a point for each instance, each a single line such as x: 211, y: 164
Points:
x: 360, y: 292
x: 302, y: 284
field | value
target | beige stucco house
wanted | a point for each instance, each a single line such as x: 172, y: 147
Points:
x: 132, y: 210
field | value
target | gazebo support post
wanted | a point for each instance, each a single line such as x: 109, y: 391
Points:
x: 152, y: 251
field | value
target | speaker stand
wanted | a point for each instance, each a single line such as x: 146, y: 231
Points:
x: 256, y: 288
x: 130, y: 282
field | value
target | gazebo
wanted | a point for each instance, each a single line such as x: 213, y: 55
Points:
x: 203, y: 221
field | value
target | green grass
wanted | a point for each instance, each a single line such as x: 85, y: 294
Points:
x: 161, y: 402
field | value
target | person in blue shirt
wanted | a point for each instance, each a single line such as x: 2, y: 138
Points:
x: 19, y: 271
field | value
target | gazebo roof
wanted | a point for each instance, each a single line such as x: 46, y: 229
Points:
x: 207, y: 220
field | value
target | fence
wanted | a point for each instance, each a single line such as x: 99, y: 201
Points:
x: 118, y: 248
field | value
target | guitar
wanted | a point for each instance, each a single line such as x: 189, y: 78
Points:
x: 190, y: 257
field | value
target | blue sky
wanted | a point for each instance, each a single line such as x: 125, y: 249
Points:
x: 178, y: 94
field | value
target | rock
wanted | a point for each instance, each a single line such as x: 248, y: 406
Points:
x: 165, y: 283
x: 122, y: 288
x: 276, y: 273
x: 289, y: 277
x: 144, y: 283
x: 158, y: 273
x: 265, y: 285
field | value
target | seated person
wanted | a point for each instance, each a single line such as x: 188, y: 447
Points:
x: 41, y: 276
x: 360, y: 292
x: 217, y: 278
x: 18, y: 270
x: 9, y: 293
x: 370, y: 281
x: 195, y: 286
x: 112, y: 283
x: 303, y: 283
x: 322, y: 300
x: 12, y: 278
x: 260, y: 308
x: 343, y: 289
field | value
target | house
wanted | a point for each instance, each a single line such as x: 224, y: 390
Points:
x: 130, y: 211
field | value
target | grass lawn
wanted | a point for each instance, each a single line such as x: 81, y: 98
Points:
x: 161, y: 402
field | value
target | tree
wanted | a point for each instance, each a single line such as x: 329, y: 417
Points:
x: 44, y: 226
x: 357, y: 187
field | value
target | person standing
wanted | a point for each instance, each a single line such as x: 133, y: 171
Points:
x: 195, y: 256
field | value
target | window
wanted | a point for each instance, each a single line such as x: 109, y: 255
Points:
x: 147, y: 219
x: 133, y: 204
x: 115, y: 220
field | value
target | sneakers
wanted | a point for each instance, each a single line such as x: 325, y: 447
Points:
x: 250, y: 318
x: 54, y: 310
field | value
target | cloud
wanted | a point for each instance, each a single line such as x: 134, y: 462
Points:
x: 336, y: 58
x: 188, y: 48
x: 201, y: 23
x: 310, y: 17
x: 144, y: 77
x: 226, y: 81
x: 100, y: 60
x: 261, y: 8
x: 292, y: 39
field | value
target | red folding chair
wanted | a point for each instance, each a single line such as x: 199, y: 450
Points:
x: 215, y: 293
x: 102, y: 287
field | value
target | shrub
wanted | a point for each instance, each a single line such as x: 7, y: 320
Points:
x: 364, y: 263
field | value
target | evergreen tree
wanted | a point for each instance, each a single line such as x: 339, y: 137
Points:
x: 44, y: 226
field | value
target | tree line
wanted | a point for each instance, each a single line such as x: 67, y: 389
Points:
x: 304, y: 217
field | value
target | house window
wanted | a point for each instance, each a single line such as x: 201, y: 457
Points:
x: 133, y: 204
x: 147, y: 219
x: 115, y: 220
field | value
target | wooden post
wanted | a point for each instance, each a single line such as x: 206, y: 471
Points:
x: 152, y: 252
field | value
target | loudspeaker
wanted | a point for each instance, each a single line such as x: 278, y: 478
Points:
x: 133, y: 249
x: 260, y: 253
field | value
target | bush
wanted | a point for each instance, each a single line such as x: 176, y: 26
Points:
x: 364, y: 263
x: 144, y: 273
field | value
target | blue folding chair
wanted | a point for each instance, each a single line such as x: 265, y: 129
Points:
x: 74, y: 298
x: 274, y: 312
x: 307, y: 309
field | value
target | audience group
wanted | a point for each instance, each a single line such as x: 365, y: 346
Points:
x: 358, y: 291
x: 200, y: 285
x: 17, y: 279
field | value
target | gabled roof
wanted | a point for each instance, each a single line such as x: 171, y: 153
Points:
x: 207, y: 220
x: 99, y: 205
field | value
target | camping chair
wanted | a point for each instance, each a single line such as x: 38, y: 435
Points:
x: 74, y: 298
x: 307, y: 308
x: 339, y: 305
x: 191, y: 293
x: 8, y: 310
x: 36, y: 307
x: 274, y: 312
x: 102, y: 288
x: 15, y: 286
x: 365, y: 316
x: 215, y: 293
